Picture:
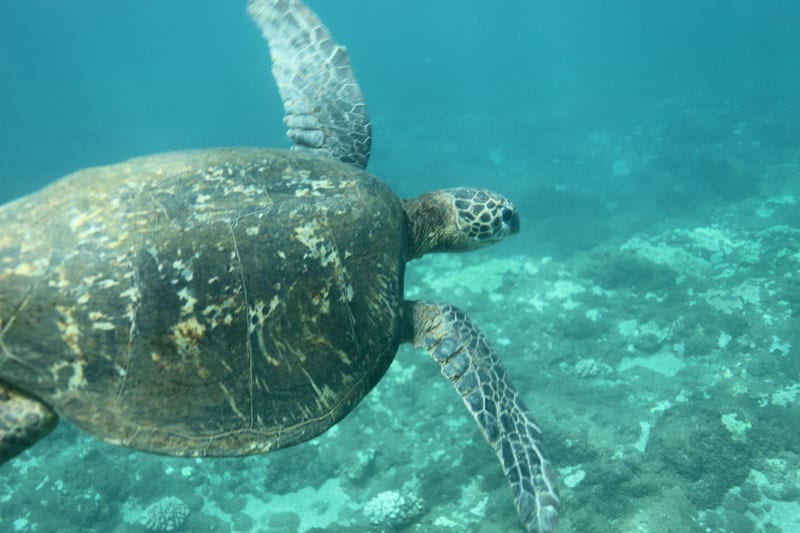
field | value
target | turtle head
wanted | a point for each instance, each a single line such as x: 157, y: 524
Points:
x: 459, y: 220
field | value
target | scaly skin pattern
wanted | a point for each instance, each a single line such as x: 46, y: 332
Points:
x: 325, y: 110
x: 23, y: 421
x: 470, y: 363
x: 213, y: 302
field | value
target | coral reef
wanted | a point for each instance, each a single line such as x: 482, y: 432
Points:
x: 167, y: 514
x: 393, y: 509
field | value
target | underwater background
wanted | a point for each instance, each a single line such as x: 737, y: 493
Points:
x: 648, y: 312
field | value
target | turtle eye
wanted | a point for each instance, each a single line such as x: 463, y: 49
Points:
x: 508, y: 215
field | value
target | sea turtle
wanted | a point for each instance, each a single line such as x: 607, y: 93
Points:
x: 233, y: 301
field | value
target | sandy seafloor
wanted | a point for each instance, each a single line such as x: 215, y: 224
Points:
x: 649, y: 313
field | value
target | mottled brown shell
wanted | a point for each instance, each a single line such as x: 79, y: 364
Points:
x: 212, y: 302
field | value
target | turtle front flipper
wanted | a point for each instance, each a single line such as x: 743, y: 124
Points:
x: 325, y: 109
x: 23, y: 421
x: 472, y: 365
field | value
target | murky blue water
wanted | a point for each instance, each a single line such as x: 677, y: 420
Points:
x: 648, y: 311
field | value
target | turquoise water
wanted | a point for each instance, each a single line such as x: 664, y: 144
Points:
x: 648, y: 311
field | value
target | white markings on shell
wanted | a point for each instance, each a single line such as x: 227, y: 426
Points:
x: 107, y: 283
x: 91, y: 226
x: 185, y: 271
x: 70, y: 334
x: 255, y: 316
x: 76, y: 380
x: 28, y: 246
x: 231, y: 402
x: 81, y: 218
x: 325, y: 396
x: 188, y: 301
x: 318, y: 247
x: 313, y: 187
x: 220, y: 313
x: 131, y: 293
x: 133, y: 296
x: 31, y: 268
x: 187, y: 333
x: 322, y: 301
x: 70, y: 331
x: 100, y: 321
x: 257, y: 326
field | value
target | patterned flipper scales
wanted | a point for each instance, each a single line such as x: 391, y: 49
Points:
x: 23, y: 421
x: 470, y: 363
x: 324, y: 107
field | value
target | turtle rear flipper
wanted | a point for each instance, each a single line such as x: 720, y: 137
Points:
x: 23, y: 421
x: 475, y: 370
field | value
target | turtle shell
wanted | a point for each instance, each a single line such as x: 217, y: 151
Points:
x: 210, y: 302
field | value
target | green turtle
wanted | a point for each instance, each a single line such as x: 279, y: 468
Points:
x: 233, y: 301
